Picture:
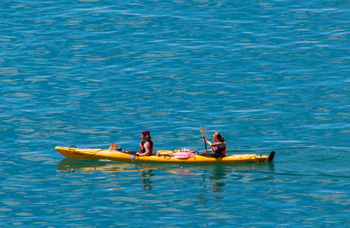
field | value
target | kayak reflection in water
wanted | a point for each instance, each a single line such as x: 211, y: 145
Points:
x: 146, y: 179
x: 218, y: 146
x: 146, y: 144
x: 217, y: 177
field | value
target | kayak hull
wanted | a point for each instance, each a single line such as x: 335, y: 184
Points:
x: 165, y: 156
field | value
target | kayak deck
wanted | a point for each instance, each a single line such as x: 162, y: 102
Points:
x: 164, y: 156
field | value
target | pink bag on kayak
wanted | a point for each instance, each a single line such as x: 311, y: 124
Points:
x: 184, y: 155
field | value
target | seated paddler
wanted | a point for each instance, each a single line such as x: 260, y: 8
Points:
x: 218, y: 146
x: 146, y: 144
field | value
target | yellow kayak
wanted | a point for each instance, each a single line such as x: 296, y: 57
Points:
x: 162, y: 156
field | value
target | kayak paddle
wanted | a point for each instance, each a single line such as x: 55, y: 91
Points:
x: 204, y: 132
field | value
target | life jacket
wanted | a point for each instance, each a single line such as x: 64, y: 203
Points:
x: 143, y: 149
x: 220, y: 152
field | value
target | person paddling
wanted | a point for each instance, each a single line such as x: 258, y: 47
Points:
x: 146, y: 144
x: 218, y: 146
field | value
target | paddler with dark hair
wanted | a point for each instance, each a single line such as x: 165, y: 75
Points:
x: 218, y: 146
x: 146, y: 144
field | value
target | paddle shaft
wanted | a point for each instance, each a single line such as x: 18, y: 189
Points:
x: 205, y: 142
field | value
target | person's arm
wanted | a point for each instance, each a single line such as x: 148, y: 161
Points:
x: 148, y: 149
x: 214, y: 143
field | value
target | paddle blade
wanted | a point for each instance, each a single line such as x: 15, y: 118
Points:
x: 203, y: 131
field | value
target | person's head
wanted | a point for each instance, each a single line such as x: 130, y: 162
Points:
x: 146, y: 135
x: 217, y: 137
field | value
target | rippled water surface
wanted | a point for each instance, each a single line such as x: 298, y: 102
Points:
x: 268, y: 75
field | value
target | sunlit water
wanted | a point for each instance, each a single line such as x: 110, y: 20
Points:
x: 267, y: 75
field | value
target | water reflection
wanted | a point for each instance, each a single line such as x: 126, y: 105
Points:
x: 90, y: 166
x: 146, y: 179
x: 213, y: 177
x: 217, y: 180
x: 218, y: 174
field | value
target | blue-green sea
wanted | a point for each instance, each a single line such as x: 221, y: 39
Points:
x: 268, y: 75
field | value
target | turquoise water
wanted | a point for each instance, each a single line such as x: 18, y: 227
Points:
x: 269, y: 75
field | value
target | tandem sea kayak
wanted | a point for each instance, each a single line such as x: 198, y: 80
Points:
x: 162, y: 156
